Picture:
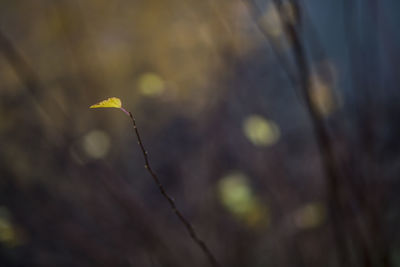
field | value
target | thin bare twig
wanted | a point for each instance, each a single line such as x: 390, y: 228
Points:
x: 171, y: 202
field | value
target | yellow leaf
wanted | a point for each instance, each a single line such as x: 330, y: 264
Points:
x: 112, y: 102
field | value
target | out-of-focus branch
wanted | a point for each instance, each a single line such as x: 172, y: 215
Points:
x: 26, y: 74
x: 323, y: 141
x: 356, y: 28
x: 284, y: 62
x: 28, y: 77
x: 33, y: 88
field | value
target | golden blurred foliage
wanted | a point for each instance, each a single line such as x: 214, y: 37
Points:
x: 271, y: 21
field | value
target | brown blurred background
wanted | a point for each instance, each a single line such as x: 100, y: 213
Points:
x: 273, y: 124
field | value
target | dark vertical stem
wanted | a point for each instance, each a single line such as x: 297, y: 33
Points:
x: 24, y: 72
x: 171, y: 202
x: 364, y: 58
x: 29, y: 79
x: 323, y: 141
x: 282, y: 60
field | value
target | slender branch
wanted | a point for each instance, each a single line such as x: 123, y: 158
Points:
x: 171, y: 202
x: 281, y: 59
x: 24, y: 71
x: 32, y: 84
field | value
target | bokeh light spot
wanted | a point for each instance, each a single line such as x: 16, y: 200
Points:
x: 271, y: 22
x: 310, y: 216
x: 96, y: 144
x: 260, y: 131
x: 236, y: 193
x: 237, y: 197
x: 151, y: 84
x: 8, y: 234
x: 322, y: 97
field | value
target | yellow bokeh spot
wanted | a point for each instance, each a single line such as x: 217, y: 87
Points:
x: 260, y: 131
x: 270, y: 21
x: 8, y: 233
x: 236, y: 193
x: 310, y: 216
x: 151, y: 84
x: 290, y: 12
x: 322, y: 96
x: 96, y: 144
x: 237, y: 197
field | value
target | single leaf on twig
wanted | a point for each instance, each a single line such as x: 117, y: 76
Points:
x: 112, y: 102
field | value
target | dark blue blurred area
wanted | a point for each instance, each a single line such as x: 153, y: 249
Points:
x: 274, y: 160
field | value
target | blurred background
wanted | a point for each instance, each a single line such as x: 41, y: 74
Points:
x: 273, y: 124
